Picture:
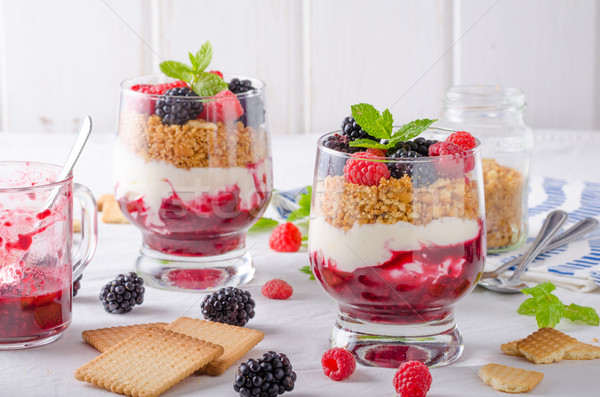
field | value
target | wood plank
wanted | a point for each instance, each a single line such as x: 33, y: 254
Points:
x: 547, y: 48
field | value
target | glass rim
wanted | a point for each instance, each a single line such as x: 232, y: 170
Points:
x: 125, y: 86
x: 42, y: 186
x: 465, y: 154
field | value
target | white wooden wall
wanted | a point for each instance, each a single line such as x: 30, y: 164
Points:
x: 61, y: 59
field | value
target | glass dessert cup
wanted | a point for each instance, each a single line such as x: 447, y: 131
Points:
x: 397, y: 256
x: 193, y: 187
x: 36, y: 263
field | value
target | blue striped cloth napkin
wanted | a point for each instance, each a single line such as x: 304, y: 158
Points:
x: 577, y: 265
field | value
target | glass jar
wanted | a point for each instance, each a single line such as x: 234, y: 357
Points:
x: 495, y: 116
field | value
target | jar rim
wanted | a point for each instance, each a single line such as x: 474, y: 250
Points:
x: 484, y: 97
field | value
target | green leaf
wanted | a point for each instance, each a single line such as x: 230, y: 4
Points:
x: 369, y: 143
x: 582, y: 313
x: 549, y: 315
x: 412, y: 129
x: 209, y: 84
x: 193, y: 61
x: 177, y: 70
x: 540, y: 291
x: 529, y: 307
x: 303, y: 210
x: 371, y: 121
x: 306, y: 269
x: 203, y: 57
x: 263, y: 225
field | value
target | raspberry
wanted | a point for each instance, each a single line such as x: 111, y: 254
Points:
x: 217, y: 73
x: 224, y: 107
x: 338, y: 363
x: 361, y: 171
x: 444, y: 148
x: 412, y: 379
x: 455, y: 166
x: 376, y: 152
x: 463, y: 139
x: 277, y: 289
x: 158, y: 89
x: 286, y: 238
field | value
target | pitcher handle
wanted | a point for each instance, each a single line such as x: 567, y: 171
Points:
x: 89, y: 229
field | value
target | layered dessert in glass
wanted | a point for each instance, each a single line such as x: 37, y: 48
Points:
x: 193, y: 173
x: 396, y: 237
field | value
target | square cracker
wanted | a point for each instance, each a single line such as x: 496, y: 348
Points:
x: 111, y: 213
x: 582, y: 351
x: 104, y: 338
x: 148, y: 363
x: 509, y: 379
x: 546, y: 345
x: 236, y: 341
x: 511, y: 348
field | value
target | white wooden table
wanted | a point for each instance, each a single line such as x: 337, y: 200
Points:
x: 300, y: 326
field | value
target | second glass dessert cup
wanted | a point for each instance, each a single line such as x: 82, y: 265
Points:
x: 193, y: 174
x: 398, y: 254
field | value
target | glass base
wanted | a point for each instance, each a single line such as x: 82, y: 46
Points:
x: 27, y: 343
x: 186, y: 273
x: 435, y: 343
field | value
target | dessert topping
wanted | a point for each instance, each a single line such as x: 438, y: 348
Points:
x: 362, y: 170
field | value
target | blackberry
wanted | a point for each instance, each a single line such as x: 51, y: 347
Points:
x: 123, y: 293
x: 77, y: 285
x: 422, y: 174
x: 228, y: 305
x: 268, y: 376
x: 254, y: 109
x: 352, y: 130
x: 340, y: 143
x: 330, y: 164
x: 174, y: 110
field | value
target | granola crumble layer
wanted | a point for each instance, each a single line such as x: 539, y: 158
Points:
x: 503, y: 203
x: 395, y: 200
x: 197, y: 143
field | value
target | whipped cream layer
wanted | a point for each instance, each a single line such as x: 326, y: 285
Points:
x: 153, y: 181
x: 374, y: 244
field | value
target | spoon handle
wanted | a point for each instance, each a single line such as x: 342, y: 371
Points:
x: 576, y: 231
x: 551, y: 226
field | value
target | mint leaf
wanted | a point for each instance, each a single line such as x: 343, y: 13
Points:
x: 540, y: 291
x: 208, y: 84
x: 369, y: 143
x: 263, y: 225
x: 303, y: 210
x: 177, y: 70
x: 306, y: 269
x: 412, y: 129
x: 549, y: 314
x: 529, y: 307
x: 193, y: 61
x: 582, y: 313
x: 371, y: 121
x: 203, y: 57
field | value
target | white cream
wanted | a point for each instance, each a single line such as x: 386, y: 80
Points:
x: 154, y: 180
x: 373, y: 244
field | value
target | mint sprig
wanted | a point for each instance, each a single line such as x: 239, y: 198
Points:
x: 549, y: 310
x: 306, y: 269
x: 202, y: 83
x: 380, y: 125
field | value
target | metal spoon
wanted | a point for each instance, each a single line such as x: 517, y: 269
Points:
x: 512, y: 285
x: 576, y: 231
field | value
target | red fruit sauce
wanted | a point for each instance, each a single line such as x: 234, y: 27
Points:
x: 209, y: 224
x: 393, y: 293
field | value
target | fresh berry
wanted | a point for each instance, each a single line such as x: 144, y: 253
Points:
x: 229, y: 305
x: 340, y: 143
x: 268, y: 376
x: 376, y: 152
x: 49, y: 316
x: 455, y: 164
x: 123, y: 293
x: 412, y: 379
x: 286, y: 238
x: 362, y: 170
x: 177, y: 106
x: 277, y: 289
x: 444, y: 149
x: 338, y: 363
x: 158, y: 89
x: 238, y: 86
x: 217, y: 73
x: 352, y: 130
x: 223, y: 107
x: 463, y: 139
x: 77, y: 285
